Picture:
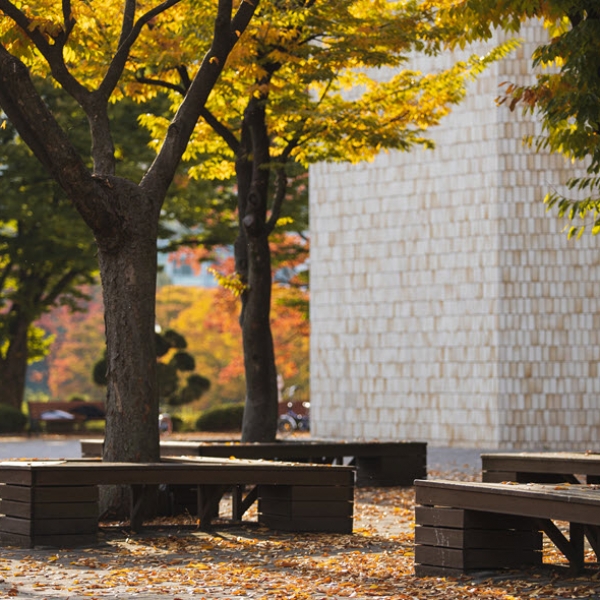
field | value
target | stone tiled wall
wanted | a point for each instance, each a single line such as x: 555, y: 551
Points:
x: 446, y: 304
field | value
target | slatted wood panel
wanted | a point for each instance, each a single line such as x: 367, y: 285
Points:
x: 61, y: 516
x: 451, y: 541
x: 307, y: 508
x: 378, y: 463
x: 466, y: 526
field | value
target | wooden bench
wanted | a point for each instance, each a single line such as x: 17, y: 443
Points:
x: 56, y: 502
x: 462, y: 527
x: 541, y: 467
x: 80, y: 411
x: 378, y: 464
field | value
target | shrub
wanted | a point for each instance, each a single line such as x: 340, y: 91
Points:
x: 177, y: 423
x: 227, y: 417
x: 11, y: 420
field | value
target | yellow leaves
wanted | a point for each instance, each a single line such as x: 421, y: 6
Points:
x: 282, y: 221
x: 232, y: 282
x: 199, y: 566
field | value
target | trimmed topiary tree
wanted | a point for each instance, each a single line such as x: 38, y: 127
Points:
x: 171, y: 392
x: 11, y: 419
x: 226, y: 417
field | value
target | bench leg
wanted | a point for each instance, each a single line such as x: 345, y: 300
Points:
x: 572, y: 548
x: 592, y: 533
x: 209, y: 497
x: 136, y: 513
x: 241, y: 504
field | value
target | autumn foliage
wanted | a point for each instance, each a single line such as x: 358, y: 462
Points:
x: 208, y: 318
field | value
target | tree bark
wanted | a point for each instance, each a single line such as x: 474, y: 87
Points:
x: 127, y: 257
x: 260, y: 412
x: 253, y: 263
x: 13, y: 367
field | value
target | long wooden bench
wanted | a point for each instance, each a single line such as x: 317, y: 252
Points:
x: 378, y: 464
x: 56, y: 502
x: 76, y: 413
x: 541, y: 467
x: 462, y: 527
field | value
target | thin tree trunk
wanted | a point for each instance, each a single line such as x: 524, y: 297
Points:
x: 260, y: 413
x: 253, y: 263
x: 13, y: 367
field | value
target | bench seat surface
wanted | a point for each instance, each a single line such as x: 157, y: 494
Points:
x: 543, y: 462
x: 564, y: 502
x: 173, y: 472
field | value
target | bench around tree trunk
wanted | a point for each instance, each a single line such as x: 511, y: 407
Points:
x: 463, y: 527
x: 378, y: 464
x: 56, y: 502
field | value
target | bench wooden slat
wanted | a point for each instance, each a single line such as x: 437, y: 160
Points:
x: 459, y: 518
x: 69, y: 540
x: 48, y: 526
x: 476, y: 558
x: 174, y: 473
x: 477, y: 538
x: 308, y: 524
x: 304, y: 509
x: 39, y: 494
x: 46, y: 510
x: 539, y: 466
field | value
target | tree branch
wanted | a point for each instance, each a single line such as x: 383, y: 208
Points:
x: 4, y: 274
x: 52, y: 53
x: 129, y: 35
x: 278, y: 198
x: 60, y: 286
x: 226, y: 33
x: 221, y: 130
x: 40, y: 131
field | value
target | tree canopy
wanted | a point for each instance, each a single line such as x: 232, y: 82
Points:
x: 565, y: 94
x: 40, y: 266
x: 317, y: 81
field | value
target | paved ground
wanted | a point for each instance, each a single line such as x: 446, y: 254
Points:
x: 439, y: 459
x: 182, y: 563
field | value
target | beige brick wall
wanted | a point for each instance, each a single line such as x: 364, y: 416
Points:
x: 446, y: 304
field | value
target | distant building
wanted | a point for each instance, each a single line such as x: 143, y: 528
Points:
x: 446, y: 304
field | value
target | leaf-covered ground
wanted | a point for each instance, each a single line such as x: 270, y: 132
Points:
x: 177, y: 561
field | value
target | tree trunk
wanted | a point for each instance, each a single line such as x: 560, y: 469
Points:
x: 128, y: 271
x: 253, y: 263
x: 260, y: 413
x: 13, y: 367
x: 129, y: 288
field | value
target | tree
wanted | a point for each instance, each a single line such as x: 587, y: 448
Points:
x: 565, y: 93
x: 309, y: 84
x: 40, y: 267
x: 78, y: 340
x: 94, y: 59
x: 43, y: 267
x: 172, y: 361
